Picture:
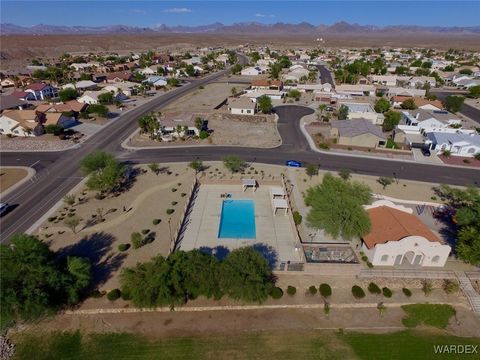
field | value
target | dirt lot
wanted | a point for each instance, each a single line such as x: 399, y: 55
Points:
x: 9, y: 176
x: 148, y: 198
x: 203, y: 100
x: 259, y: 131
x: 17, y: 50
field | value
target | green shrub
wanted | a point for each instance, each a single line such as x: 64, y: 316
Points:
x: 297, y: 218
x: 291, y: 290
x: 369, y: 264
x: 114, y: 294
x: 325, y: 290
x: 125, y: 295
x: 96, y: 294
x: 203, y: 134
x: 174, y: 190
x: 312, y: 290
x: 136, y: 240
x: 276, y: 293
x: 358, y: 292
x: 156, y: 221
x: 407, y: 292
x: 174, y: 203
x: 364, y: 258
x: 123, y: 247
x: 183, y: 194
x: 374, y: 289
x: 52, y: 218
x: 170, y: 211
x: 451, y: 286
x: 145, y: 231
x: 427, y: 287
x: 387, y: 292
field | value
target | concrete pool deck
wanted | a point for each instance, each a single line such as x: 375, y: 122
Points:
x: 273, y: 231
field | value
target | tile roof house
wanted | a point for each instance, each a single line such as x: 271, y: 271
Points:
x: 357, y: 132
x: 398, y: 237
x: 264, y: 84
x: 242, y: 106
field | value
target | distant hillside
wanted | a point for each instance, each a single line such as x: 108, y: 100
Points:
x: 237, y: 28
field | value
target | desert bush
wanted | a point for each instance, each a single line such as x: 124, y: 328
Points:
x: 136, y: 238
x: 325, y: 290
x: 451, y: 286
x: 387, y: 292
x: 312, y: 290
x: 291, y: 290
x: 170, y: 211
x: 145, y: 231
x: 123, y: 247
x: 358, y: 292
x: 114, y: 294
x: 276, y: 293
x: 297, y: 218
x: 156, y: 221
x: 407, y: 292
x: 374, y: 289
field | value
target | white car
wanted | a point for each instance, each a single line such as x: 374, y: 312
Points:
x: 3, y: 208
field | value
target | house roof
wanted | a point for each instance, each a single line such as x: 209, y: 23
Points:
x: 389, y: 224
x: 124, y: 75
x: 72, y: 105
x: 37, y: 86
x: 452, y: 138
x: 26, y: 118
x: 356, y: 127
x: 265, y: 82
x: 19, y: 94
x: 241, y: 103
x: 419, y: 101
x: 10, y: 102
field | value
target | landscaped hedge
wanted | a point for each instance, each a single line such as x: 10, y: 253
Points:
x: 170, y: 211
x: 358, y: 292
x: 325, y: 290
x: 374, y: 289
x: 276, y: 293
x: 291, y: 290
x: 156, y: 221
x: 387, y: 292
x: 407, y: 292
x: 297, y: 218
x: 114, y: 294
x: 123, y: 247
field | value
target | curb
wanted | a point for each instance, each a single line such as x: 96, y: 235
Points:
x: 30, y: 174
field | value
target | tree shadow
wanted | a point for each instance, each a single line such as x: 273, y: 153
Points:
x: 220, y: 252
x: 268, y: 252
x: 97, y: 248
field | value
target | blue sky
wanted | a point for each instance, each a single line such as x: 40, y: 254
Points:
x: 152, y: 13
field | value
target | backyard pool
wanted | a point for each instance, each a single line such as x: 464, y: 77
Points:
x: 237, y: 220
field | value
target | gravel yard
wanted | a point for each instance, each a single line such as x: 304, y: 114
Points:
x: 9, y: 176
x: 46, y: 142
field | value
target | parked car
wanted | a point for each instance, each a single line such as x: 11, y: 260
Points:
x: 426, y: 151
x: 3, y: 208
x: 293, y: 163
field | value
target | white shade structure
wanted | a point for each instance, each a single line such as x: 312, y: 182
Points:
x: 246, y: 183
x: 280, y: 204
x: 277, y: 192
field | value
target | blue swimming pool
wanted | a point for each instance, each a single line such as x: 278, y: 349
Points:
x: 237, y: 220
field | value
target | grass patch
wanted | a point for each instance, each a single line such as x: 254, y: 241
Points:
x: 428, y: 314
x: 409, y: 344
x: 252, y: 345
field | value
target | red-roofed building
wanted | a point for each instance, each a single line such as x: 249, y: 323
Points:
x: 398, y: 237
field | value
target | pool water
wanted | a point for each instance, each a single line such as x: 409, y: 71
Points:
x: 237, y: 220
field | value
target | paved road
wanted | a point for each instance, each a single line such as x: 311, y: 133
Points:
x: 57, y: 173
x: 467, y: 110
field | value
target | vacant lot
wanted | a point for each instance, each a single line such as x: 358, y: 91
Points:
x: 306, y: 345
x: 204, y: 100
x: 9, y: 176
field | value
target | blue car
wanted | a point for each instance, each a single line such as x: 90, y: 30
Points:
x: 293, y: 163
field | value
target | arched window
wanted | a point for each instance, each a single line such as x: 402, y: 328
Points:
x: 384, y: 258
x: 471, y: 150
x: 436, y: 259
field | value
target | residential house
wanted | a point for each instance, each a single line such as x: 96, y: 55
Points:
x: 125, y: 88
x: 459, y: 143
x: 9, y: 102
x: 72, y: 106
x: 357, y: 132
x: 148, y: 71
x: 266, y: 85
x: 42, y: 91
x: 253, y: 71
x: 90, y: 97
x: 23, y: 95
x: 119, y: 76
x: 177, y: 125
x: 26, y: 123
x: 397, y: 237
x: 7, y: 82
x: 387, y: 80
x: 355, y: 90
x: 242, y: 106
x: 420, y: 81
x: 364, y: 110
x: 255, y: 94
x: 157, y: 81
x: 295, y: 74
x: 420, y: 103
x: 400, y: 91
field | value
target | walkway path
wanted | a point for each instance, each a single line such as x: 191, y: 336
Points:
x: 469, y: 291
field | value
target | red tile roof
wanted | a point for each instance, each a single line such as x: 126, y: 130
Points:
x: 389, y: 224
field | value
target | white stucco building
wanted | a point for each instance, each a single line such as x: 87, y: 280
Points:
x: 398, y: 237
